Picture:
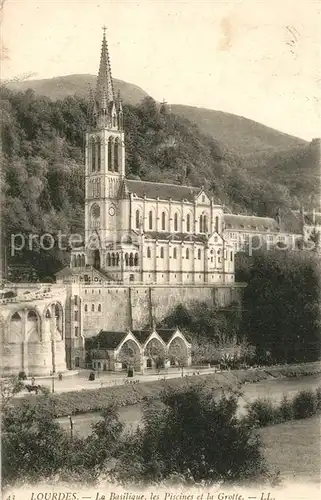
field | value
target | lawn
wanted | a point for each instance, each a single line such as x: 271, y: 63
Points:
x: 293, y: 448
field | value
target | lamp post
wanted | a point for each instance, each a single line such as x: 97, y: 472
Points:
x: 71, y: 423
x: 53, y: 382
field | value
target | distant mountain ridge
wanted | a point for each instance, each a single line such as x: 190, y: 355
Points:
x: 69, y: 85
x: 237, y: 134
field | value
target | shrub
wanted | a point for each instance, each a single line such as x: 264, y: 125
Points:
x: 195, y: 436
x: 91, y: 376
x: 318, y: 398
x: 286, y: 409
x: 22, y: 376
x: 262, y: 412
x: 304, y: 404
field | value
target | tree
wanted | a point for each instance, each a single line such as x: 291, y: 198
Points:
x: 33, y: 444
x: 282, y: 315
x: 129, y: 356
x: 9, y: 388
x: 178, y: 354
x: 193, y: 435
x: 156, y: 352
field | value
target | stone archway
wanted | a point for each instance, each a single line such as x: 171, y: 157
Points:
x: 129, y: 355
x: 178, y: 353
x: 155, y: 354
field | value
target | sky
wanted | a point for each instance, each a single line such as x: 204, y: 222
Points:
x: 258, y: 59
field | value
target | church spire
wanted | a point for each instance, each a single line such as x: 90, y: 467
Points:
x: 105, y: 95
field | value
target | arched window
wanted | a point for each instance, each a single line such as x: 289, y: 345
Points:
x: 175, y: 253
x: 176, y: 222
x: 98, y: 150
x: 83, y: 261
x: 199, y: 253
x: 162, y: 252
x: 116, y: 155
x: 120, y: 120
x: 74, y: 261
x: 163, y: 221
x: 78, y: 261
x: 108, y: 260
x: 86, y: 308
x: 114, y: 121
x: 148, y: 253
x: 136, y: 260
x: 216, y: 224
x: 205, y: 224
x: 201, y: 223
x: 16, y: 317
x: 110, y: 146
x: 93, y: 155
x: 126, y: 259
x: 137, y: 219
x: 92, y: 307
x: 187, y: 253
x: 113, y: 261
x: 188, y: 223
x: 99, y: 307
x: 117, y: 260
x: 231, y: 257
x: 131, y: 260
x: 150, y: 219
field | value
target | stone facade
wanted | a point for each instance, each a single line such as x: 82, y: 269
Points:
x: 138, y: 231
x: 33, y: 332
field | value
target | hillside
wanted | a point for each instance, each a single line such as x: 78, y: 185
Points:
x: 240, y: 135
x: 70, y: 85
x: 236, y: 134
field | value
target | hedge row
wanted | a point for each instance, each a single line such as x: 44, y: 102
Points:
x: 93, y: 400
x: 304, y: 404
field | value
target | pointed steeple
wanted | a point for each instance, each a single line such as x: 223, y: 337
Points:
x: 105, y: 96
x: 105, y: 88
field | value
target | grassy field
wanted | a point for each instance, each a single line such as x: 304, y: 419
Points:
x: 293, y: 448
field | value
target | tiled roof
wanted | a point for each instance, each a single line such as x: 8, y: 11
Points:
x: 162, y: 191
x: 162, y: 235
x: 250, y: 223
x: 141, y: 335
x: 66, y: 271
x: 108, y: 340
x: 166, y: 334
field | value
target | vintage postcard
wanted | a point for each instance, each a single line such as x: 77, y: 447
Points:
x: 160, y: 250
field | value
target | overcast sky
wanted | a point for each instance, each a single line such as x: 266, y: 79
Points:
x: 259, y: 59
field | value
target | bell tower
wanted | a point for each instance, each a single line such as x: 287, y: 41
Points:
x: 104, y: 163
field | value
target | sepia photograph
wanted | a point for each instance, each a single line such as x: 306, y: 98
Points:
x: 160, y: 249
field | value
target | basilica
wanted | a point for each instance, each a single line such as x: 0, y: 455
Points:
x: 138, y: 231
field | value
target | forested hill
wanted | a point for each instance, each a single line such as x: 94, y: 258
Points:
x: 60, y: 87
x: 43, y: 165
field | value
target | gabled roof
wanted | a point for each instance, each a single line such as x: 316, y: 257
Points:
x: 108, y: 340
x: 141, y: 335
x: 250, y: 223
x: 166, y: 335
x: 66, y: 271
x: 163, y: 235
x: 161, y: 190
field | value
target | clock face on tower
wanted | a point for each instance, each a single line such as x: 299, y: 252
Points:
x: 111, y: 211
